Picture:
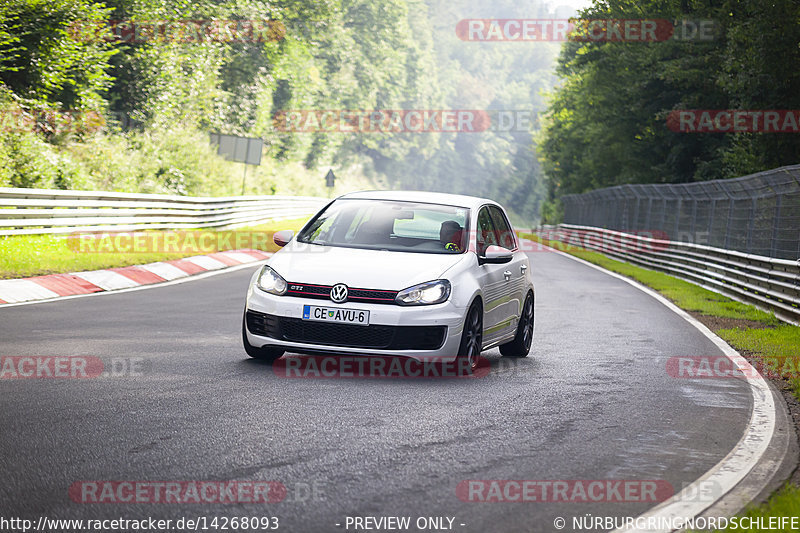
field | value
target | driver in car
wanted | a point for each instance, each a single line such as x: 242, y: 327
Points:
x: 450, y: 235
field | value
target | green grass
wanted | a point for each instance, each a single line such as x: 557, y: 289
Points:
x: 784, y: 502
x: 775, y: 347
x: 24, y: 256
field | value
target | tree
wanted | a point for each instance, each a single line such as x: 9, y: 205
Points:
x: 45, y: 56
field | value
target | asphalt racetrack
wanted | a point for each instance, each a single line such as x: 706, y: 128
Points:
x: 593, y: 401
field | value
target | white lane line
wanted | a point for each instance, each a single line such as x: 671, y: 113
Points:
x: 21, y: 290
x: 727, y: 473
x: 107, y: 280
x: 164, y: 270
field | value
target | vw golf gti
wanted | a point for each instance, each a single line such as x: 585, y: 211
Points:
x: 415, y: 274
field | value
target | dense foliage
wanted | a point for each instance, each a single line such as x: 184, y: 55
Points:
x: 608, y: 119
x: 158, y: 98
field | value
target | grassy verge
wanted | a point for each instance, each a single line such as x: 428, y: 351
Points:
x: 23, y: 256
x: 785, y: 502
x: 769, y: 344
x: 776, y: 349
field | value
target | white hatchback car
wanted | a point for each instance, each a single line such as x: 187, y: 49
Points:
x: 416, y: 274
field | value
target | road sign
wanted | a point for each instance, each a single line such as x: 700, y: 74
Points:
x: 245, y: 150
x: 329, y: 178
x: 241, y: 149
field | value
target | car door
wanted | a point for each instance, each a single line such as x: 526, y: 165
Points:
x: 492, y: 279
x: 515, y: 271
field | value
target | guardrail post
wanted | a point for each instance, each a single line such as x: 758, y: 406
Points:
x: 730, y: 221
x: 751, y: 225
x: 694, y: 221
x: 776, y: 221
x: 711, y: 210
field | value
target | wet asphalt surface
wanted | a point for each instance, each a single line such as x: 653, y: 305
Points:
x: 593, y: 401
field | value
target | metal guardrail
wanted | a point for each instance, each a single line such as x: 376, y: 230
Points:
x: 43, y: 211
x: 769, y: 283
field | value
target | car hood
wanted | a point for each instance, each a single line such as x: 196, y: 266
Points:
x: 367, y: 269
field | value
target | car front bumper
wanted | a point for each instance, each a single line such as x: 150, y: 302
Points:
x: 404, y: 320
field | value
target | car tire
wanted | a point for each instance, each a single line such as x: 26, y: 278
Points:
x: 521, y: 345
x: 472, y: 336
x: 262, y: 354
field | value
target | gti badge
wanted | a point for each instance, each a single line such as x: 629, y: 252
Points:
x: 339, y: 293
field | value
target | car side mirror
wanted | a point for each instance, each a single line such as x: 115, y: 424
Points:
x: 495, y: 255
x: 282, y: 238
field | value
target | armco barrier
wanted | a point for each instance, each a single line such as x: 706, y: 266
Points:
x: 769, y: 283
x: 40, y: 211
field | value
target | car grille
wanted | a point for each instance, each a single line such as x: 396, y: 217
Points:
x: 347, y: 335
x: 263, y: 324
x: 322, y: 292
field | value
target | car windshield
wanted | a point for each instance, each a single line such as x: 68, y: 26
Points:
x: 390, y: 225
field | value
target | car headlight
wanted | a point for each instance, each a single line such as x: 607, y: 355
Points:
x: 270, y: 281
x: 430, y: 292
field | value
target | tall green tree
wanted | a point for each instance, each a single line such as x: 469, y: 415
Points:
x: 45, y: 56
x: 607, y: 119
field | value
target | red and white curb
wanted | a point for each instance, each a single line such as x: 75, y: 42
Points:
x: 13, y: 291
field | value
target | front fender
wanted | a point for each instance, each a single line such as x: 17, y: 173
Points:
x: 462, y: 277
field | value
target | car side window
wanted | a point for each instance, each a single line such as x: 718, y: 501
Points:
x: 486, y: 234
x: 504, y: 232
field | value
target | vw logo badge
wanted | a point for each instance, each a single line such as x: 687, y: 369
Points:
x: 339, y: 293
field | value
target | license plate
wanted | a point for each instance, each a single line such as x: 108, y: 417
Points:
x: 358, y: 317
